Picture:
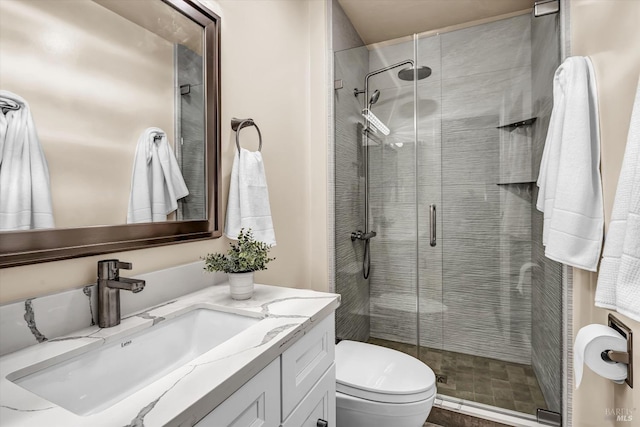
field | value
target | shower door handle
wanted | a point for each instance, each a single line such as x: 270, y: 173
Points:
x: 432, y: 224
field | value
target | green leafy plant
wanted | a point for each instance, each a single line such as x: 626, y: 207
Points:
x: 245, y: 256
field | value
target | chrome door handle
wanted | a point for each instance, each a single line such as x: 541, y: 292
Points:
x: 432, y: 224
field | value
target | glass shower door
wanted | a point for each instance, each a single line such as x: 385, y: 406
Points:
x: 393, y: 216
x: 353, y: 315
x: 375, y: 186
x: 488, y: 326
x: 431, y: 309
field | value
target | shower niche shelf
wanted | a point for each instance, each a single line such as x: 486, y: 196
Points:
x: 521, y: 123
x: 516, y: 183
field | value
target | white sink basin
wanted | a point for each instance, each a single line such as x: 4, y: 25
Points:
x: 97, y: 379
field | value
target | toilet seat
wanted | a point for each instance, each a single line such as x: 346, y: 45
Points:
x: 381, y: 374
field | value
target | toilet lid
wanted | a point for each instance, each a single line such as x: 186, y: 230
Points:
x: 381, y: 374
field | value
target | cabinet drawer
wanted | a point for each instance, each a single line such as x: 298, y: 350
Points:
x: 255, y: 404
x: 306, y: 362
x: 319, y: 404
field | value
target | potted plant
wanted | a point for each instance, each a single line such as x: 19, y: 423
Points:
x: 245, y: 257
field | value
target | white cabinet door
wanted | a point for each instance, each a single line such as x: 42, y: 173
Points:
x: 255, y: 404
x: 319, y: 404
x: 305, y: 362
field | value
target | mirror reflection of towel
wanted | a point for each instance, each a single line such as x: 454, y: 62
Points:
x: 25, y: 191
x: 156, y: 182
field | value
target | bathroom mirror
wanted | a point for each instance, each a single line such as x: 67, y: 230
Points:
x: 96, y: 74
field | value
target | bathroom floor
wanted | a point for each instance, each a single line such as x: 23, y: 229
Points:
x: 479, y: 379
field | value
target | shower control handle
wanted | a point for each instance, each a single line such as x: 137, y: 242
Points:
x: 360, y: 235
x: 322, y: 423
x: 432, y: 225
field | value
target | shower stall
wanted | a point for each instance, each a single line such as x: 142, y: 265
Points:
x: 438, y: 244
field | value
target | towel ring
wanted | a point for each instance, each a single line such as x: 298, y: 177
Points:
x: 238, y: 124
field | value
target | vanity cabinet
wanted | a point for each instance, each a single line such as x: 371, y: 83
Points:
x: 317, y: 406
x: 298, y: 389
x: 309, y: 378
x: 257, y: 403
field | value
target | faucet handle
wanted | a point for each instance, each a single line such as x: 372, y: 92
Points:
x: 124, y: 265
x: 110, y: 268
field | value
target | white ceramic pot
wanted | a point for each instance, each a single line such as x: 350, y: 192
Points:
x: 241, y: 285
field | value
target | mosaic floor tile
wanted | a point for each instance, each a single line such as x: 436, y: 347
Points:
x: 479, y: 379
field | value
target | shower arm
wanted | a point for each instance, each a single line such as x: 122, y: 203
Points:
x: 365, y: 135
x: 381, y: 70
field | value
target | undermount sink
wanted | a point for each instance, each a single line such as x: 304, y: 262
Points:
x: 95, y: 380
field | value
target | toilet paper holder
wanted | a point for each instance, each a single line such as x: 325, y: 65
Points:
x: 621, y: 356
x: 615, y: 356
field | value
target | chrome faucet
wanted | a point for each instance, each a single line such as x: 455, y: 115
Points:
x: 109, y: 285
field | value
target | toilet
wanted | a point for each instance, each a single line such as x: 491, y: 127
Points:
x: 381, y: 387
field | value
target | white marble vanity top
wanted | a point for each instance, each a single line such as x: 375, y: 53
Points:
x: 184, y: 395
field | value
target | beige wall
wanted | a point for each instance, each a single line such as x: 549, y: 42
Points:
x: 609, y: 32
x: 274, y: 71
x: 318, y: 150
x: 91, y: 92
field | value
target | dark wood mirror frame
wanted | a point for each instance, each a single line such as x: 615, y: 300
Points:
x: 35, y: 246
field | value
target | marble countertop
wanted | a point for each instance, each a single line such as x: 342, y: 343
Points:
x: 183, y: 396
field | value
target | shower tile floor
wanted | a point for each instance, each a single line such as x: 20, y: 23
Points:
x: 479, y: 379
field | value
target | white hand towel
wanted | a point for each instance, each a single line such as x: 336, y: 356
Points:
x: 248, y: 203
x: 25, y: 191
x: 619, y: 278
x: 570, y: 185
x: 156, y: 181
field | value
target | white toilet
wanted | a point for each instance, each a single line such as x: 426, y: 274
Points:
x: 380, y: 387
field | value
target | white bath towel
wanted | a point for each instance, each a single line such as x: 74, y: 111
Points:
x: 156, y: 182
x: 619, y: 279
x: 570, y: 185
x: 25, y: 191
x: 248, y: 204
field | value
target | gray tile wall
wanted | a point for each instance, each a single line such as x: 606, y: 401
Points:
x: 486, y: 243
x: 352, y: 317
x: 486, y: 240
x: 344, y: 35
x: 191, y: 128
x: 547, y: 274
x: 474, y: 286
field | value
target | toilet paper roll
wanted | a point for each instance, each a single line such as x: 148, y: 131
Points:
x: 590, y: 342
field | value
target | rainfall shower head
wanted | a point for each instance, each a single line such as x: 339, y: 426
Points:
x: 374, y: 98
x: 407, y: 74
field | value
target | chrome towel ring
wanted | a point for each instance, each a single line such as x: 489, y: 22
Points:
x: 238, y: 124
